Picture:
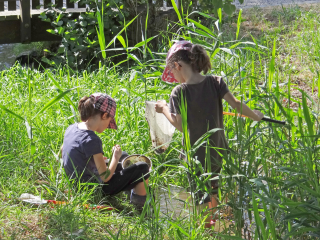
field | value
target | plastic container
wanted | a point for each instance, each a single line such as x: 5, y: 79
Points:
x: 161, y: 130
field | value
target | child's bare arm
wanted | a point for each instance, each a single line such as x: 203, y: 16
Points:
x: 105, y: 172
x: 174, y: 119
x: 242, y: 107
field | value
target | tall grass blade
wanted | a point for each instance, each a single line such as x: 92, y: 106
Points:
x: 10, y: 112
x: 204, y: 28
x: 145, y: 34
x: 60, y: 90
x: 307, y: 114
x: 238, y: 24
x: 53, y: 101
x: 122, y: 41
x: 270, y: 222
x: 174, y: 5
x: 123, y: 29
x: 100, y: 33
x: 257, y: 217
x: 220, y: 15
x: 272, y: 64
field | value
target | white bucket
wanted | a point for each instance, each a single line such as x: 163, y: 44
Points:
x: 161, y: 130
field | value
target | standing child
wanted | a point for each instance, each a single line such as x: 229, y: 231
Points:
x: 82, y: 152
x: 184, y: 64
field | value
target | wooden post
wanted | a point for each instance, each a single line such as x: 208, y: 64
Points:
x: 12, y: 5
x: 35, y: 4
x: 25, y: 26
x: 1, y: 6
x: 59, y: 3
x: 70, y: 4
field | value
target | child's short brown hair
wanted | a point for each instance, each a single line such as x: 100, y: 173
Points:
x: 197, y: 57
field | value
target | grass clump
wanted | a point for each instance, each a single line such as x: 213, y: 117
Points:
x: 270, y: 179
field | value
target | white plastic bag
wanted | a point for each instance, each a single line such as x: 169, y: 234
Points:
x: 29, y: 198
x: 161, y: 130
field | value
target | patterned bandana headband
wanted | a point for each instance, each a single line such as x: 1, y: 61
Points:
x: 104, y: 103
x: 167, y: 75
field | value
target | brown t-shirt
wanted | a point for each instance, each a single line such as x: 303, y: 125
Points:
x: 205, y: 112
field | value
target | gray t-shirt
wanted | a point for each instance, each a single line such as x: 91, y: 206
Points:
x: 204, y: 112
x: 79, y: 146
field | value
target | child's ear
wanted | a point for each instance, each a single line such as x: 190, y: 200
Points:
x: 177, y: 65
x: 105, y: 116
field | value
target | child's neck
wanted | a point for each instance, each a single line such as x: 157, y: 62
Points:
x: 194, y: 78
x: 88, y: 125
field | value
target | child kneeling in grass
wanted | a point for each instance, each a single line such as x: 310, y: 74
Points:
x: 82, y: 152
x: 203, y: 93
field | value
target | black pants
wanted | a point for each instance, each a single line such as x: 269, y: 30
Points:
x: 126, y: 179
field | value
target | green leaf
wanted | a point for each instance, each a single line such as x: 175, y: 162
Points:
x: 220, y: 15
x: 51, y: 31
x: 202, y: 139
x: 198, y: 25
x: 253, y: 50
x: 229, y: 8
x: 307, y: 114
x: 272, y: 64
x: 100, y: 33
x: 238, y: 24
x: 257, y: 217
x: 12, y: 113
x: 135, y: 58
x: 178, y: 227
x: 121, y: 40
x: 46, y: 60
x: 32, y: 148
x: 53, y: 101
x: 115, y: 37
x: 59, y: 89
x: 202, y: 14
x: 177, y: 11
x: 227, y: 50
x: 270, y: 221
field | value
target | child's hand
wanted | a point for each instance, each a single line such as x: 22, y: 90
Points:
x: 117, y: 152
x: 259, y: 115
x: 160, y: 105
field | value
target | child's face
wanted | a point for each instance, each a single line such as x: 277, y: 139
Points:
x: 104, y: 123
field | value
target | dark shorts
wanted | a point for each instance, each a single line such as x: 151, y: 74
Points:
x: 126, y: 179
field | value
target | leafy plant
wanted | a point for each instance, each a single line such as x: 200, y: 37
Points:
x: 80, y: 40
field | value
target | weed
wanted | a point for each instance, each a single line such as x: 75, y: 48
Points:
x: 270, y: 178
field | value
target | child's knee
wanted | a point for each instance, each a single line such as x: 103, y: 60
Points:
x: 143, y: 168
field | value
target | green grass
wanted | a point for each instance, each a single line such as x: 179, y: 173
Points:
x: 278, y: 185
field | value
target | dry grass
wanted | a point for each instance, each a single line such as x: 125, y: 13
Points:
x: 264, y: 24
